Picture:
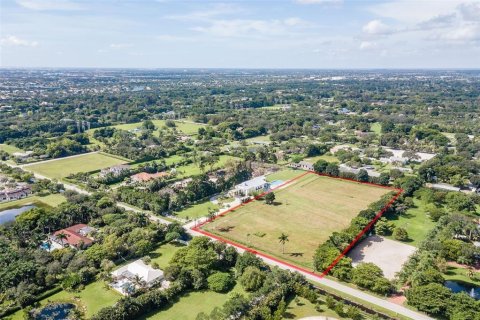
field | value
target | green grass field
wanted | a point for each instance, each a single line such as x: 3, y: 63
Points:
x: 325, y: 157
x: 308, y: 211
x: 415, y: 221
x: 191, y: 304
x: 187, y: 127
x: 93, y: 298
x: 193, y: 169
x: 284, y: 175
x: 197, y: 210
x: 9, y: 149
x: 52, y: 200
x: 62, y: 168
x: 164, y: 253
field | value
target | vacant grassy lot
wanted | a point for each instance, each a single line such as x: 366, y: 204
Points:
x: 93, y: 298
x: 284, y: 175
x: 187, y: 127
x: 61, y: 168
x: 308, y: 211
x: 415, y: 221
x: 52, y: 200
x: 192, y: 303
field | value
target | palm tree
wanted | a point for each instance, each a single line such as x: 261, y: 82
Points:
x: 62, y: 237
x: 138, y: 281
x: 283, y: 239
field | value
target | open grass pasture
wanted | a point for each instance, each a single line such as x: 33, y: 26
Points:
x: 61, y: 168
x: 308, y: 210
x: 52, y: 200
x: 9, y: 148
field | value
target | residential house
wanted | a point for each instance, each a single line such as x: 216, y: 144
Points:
x: 144, y: 176
x: 182, y: 184
x: 115, y: 170
x: 304, y: 165
x: 18, y: 192
x: 77, y: 236
x: 258, y: 184
x: 134, y: 276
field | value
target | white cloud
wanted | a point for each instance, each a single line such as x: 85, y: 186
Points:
x: 120, y: 45
x: 377, y: 27
x: 319, y: 1
x: 217, y: 10
x: 13, y: 41
x: 251, y: 28
x: 44, y: 5
x: 368, y: 45
x: 462, y: 34
x: 470, y: 11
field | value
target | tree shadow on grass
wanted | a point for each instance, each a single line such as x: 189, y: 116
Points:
x: 296, y: 254
x: 226, y: 228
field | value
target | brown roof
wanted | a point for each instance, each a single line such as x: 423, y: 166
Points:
x: 143, y: 176
x: 74, y: 238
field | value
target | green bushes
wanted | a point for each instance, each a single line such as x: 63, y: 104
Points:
x: 220, y: 281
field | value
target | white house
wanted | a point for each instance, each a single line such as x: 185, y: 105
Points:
x: 304, y: 165
x: 135, y: 275
x: 258, y: 184
x: 115, y: 170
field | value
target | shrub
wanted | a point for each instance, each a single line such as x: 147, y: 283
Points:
x: 400, y: 234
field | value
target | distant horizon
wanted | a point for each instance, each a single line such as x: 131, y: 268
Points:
x: 240, y: 68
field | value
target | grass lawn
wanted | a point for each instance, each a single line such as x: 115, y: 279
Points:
x: 259, y: 139
x: 9, y: 148
x: 284, y: 175
x: 62, y: 168
x: 325, y: 157
x: 308, y: 211
x: 164, y: 253
x: 192, y: 169
x: 168, y: 161
x: 192, y: 303
x: 460, y: 274
x: 52, y: 200
x: 415, y: 221
x: 197, y: 210
x: 305, y: 308
x: 93, y: 298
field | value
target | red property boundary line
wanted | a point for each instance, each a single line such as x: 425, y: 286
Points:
x: 337, y: 259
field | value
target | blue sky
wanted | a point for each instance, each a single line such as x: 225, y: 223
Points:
x: 240, y: 34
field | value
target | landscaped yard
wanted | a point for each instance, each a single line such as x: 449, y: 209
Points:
x: 325, y: 157
x: 303, y: 308
x: 415, y: 221
x: 460, y: 274
x: 192, y: 303
x: 164, y: 253
x: 308, y: 211
x: 93, y: 298
x: 197, y: 210
x: 284, y: 175
x: 52, y: 200
x: 61, y: 168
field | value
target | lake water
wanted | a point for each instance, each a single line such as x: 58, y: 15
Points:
x: 458, y: 286
x: 10, y: 214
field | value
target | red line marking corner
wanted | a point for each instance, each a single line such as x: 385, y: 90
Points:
x: 337, y: 259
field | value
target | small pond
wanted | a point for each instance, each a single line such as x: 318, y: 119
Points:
x: 459, y: 286
x: 10, y: 214
x: 55, y: 311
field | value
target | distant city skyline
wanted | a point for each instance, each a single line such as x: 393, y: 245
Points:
x: 318, y: 34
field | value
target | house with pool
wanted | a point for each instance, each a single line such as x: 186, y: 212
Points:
x: 249, y: 187
x: 136, y: 275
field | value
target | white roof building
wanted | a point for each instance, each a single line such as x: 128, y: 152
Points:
x: 257, y: 184
x: 126, y: 277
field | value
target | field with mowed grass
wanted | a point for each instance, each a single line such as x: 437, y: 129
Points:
x: 51, y: 200
x: 61, y: 168
x: 192, y: 303
x: 9, y: 148
x: 308, y: 210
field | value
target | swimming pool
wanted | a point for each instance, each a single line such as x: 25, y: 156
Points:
x: 275, y: 184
